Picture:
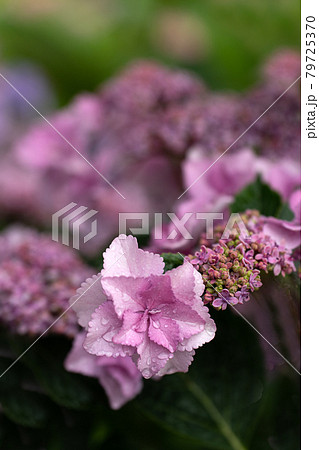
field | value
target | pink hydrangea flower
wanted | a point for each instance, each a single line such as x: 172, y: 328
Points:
x: 136, y: 310
x: 119, y: 377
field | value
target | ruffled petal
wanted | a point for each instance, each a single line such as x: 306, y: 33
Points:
x: 124, y: 292
x: 189, y: 321
x: 87, y: 298
x: 179, y: 363
x: 164, y: 332
x: 186, y: 283
x: 128, y: 335
x: 206, y: 335
x: 102, y: 328
x: 134, y: 262
x: 152, y: 357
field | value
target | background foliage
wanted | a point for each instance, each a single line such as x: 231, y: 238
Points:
x: 80, y: 44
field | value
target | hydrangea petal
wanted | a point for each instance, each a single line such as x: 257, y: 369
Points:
x: 206, y: 335
x: 80, y: 361
x: 124, y: 292
x: 185, y: 282
x: 283, y: 232
x: 103, y: 326
x: 164, y: 331
x: 152, y: 357
x: 134, y: 262
x: 120, y: 379
x: 128, y: 335
x: 189, y: 321
x: 179, y: 363
x: 87, y: 298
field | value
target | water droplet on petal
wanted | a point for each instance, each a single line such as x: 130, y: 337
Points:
x: 146, y: 373
x: 210, y: 329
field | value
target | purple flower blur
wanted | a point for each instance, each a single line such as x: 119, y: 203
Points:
x: 37, y: 278
x: 119, y: 377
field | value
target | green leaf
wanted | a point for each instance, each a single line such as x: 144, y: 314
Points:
x: 25, y: 408
x: 172, y: 260
x: 217, y: 402
x: 259, y: 196
x: 64, y: 388
x: 285, y: 213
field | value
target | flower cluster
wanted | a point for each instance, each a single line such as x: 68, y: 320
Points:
x: 231, y: 267
x: 134, y: 309
x: 37, y: 278
x: 139, y: 129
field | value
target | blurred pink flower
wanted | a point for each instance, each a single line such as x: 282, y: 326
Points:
x: 282, y: 68
x: 119, y: 377
x: 226, y: 176
x: 233, y: 171
x: 283, y: 175
x: 37, y: 278
x: 43, y: 148
x: 157, y: 319
x: 283, y: 232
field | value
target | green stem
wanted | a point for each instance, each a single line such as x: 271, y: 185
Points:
x: 215, y: 415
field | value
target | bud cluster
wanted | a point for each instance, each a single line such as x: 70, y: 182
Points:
x: 231, y: 268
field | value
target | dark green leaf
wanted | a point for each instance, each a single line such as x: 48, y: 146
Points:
x: 25, y: 408
x: 64, y: 388
x: 216, y: 404
x: 285, y: 213
x: 172, y: 260
x: 259, y: 196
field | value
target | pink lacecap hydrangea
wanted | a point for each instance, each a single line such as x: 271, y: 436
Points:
x: 119, y: 377
x: 134, y: 309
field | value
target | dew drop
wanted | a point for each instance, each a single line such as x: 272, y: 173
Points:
x: 146, y: 373
x: 209, y: 328
x: 156, y: 325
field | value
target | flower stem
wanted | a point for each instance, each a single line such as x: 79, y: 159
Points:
x: 215, y: 415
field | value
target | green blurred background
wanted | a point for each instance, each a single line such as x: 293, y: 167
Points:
x: 80, y: 43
